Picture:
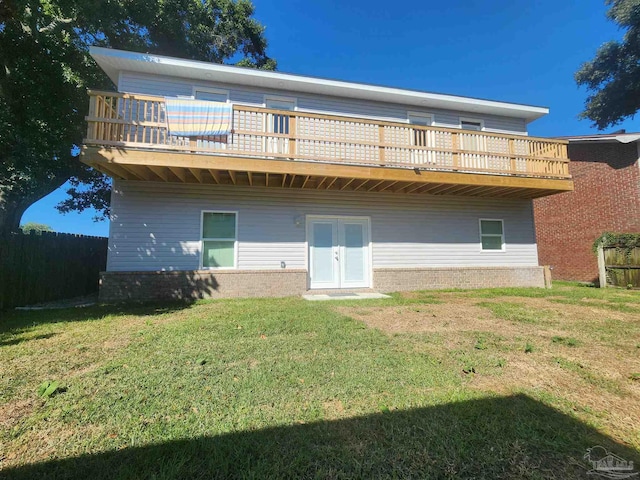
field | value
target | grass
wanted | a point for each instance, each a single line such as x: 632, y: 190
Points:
x: 275, y: 388
x: 588, y: 375
x: 570, y: 342
x: 573, y: 293
x: 515, y: 312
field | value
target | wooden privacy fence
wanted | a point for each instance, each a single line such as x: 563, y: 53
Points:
x: 49, y: 266
x: 619, y: 266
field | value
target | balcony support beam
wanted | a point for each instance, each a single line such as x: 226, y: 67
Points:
x: 197, y: 174
x: 132, y: 164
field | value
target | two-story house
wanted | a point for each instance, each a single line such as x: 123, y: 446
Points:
x: 230, y: 181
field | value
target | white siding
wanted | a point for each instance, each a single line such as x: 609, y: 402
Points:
x: 156, y: 226
x: 172, y: 86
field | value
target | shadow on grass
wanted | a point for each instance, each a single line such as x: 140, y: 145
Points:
x: 17, y: 321
x: 15, y: 341
x: 169, y: 291
x: 502, y: 437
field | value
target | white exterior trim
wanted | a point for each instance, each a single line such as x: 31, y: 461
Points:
x: 235, y: 242
x: 604, y: 138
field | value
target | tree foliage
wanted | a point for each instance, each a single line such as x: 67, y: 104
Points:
x: 612, y: 78
x: 622, y: 240
x: 45, y: 70
x: 36, y: 228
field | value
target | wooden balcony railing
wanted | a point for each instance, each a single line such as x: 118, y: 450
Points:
x: 138, y: 121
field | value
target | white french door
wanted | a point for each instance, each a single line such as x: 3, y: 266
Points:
x: 338, y: 252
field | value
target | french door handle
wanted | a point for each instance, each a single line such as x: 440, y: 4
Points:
x: 335, y: 254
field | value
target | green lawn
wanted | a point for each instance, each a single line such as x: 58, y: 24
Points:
x: 509, y: 383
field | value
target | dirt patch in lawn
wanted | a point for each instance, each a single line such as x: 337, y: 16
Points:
x: 423, y: 318
x: 594, y: 393
x: 333, y: 409
x: 12, y: 412
x: 586, y: 354
x: 464, y: 313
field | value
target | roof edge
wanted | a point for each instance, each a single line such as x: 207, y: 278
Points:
x: 107, y: 57
x: 603, y: 138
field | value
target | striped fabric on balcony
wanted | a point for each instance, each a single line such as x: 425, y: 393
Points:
x: 197, y: 118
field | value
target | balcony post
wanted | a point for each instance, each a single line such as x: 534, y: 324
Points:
x: 455, y: 146
x: 91, y: 125
x: 512, y: 153
x: 381, y: 146
x: 292, y: 136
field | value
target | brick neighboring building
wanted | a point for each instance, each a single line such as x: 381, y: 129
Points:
x: 606, y: 175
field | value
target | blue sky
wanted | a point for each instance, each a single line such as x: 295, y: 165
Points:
x: 509, y: 50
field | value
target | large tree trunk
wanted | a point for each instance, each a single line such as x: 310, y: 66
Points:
x: 10, y: 215
x: 13, y: 205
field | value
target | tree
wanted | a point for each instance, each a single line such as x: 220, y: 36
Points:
x: 613, y: 76
x: 36, y: 228
x: 45, y: 70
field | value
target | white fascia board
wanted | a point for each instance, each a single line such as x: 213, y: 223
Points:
x: 114, y: 61
x: 621, y: 138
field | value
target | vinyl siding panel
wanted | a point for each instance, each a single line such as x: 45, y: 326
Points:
x: 156, y: 226
x: 173, y: 86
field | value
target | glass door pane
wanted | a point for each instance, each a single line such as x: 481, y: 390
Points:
x: 323, y: 248
x: 354, y: 253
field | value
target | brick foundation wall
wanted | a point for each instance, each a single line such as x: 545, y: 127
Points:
x: 406, y: 279
x: 606, y: 198
x: 183, y: 285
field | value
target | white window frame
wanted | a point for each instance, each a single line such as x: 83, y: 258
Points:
x: 471, y: 120
x: 428, y: 115
x: 217, y: 91
x: 420, y: 156
x: 269, y: 142
x: 277, y: 98
x: 502, y: 236
x: 202, y: 240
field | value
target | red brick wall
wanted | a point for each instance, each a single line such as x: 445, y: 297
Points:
x: 606, y: 198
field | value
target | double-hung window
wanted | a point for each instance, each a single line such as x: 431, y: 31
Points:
x: 471, y: 124
x: 214, y: 142
x: 474, y: 143
x: 211, y: 94
x: 492, y: 235
x: 219, y: 239
x: 279, y: 123
x: 422, y: 138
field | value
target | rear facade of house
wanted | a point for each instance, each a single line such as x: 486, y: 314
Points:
x: 317, y: 185
x: 606, y: 174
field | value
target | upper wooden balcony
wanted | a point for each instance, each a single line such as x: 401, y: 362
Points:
x: 127, y: 137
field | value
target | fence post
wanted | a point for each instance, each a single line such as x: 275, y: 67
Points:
x: 602, y: 267
x: 547, y: 277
